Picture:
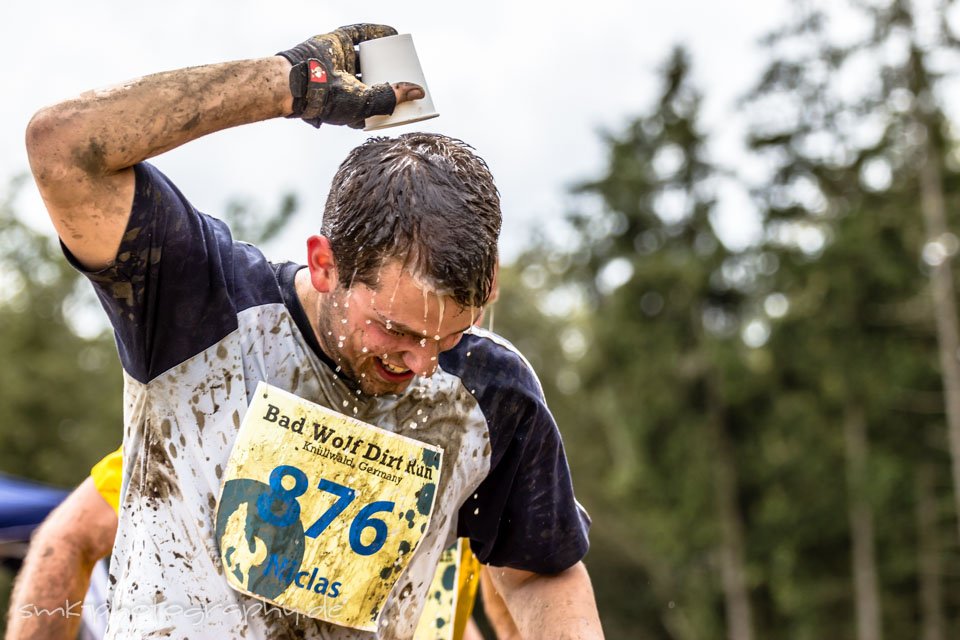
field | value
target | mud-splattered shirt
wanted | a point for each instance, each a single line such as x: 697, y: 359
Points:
x: 199, y: 319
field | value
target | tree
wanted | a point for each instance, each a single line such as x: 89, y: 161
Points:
x: 852, y: 128
x: 656, y: 373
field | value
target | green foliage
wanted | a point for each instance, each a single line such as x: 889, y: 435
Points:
x: 59, y: 392
x: 662, y: 348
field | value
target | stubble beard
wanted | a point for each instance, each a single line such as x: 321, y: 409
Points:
x: 330, y: 328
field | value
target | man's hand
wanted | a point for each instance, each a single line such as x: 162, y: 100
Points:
x: 324, y: 79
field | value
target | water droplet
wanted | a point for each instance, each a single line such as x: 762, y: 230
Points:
x: 476, y: 511
x: 413, y: 425
x: 423, y: 342
x: 424, y: 419
x: 343, y: 321
x: 369, y: 321
x: 355, y: 411
x: 338, y: 369
x: 433, y: 358
x: 468, y: 354
x: 364, y: 350
x: 437, y: 337
x: 419, y: 411
x: 389, y: 325
x: 346, y: 402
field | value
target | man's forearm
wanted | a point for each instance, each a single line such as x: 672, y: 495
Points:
x: 106, y: 130
x: 44, y: 604
x: 48, y: 595
x: 560, y: 607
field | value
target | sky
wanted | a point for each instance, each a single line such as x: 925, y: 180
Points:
x: 529, y: 85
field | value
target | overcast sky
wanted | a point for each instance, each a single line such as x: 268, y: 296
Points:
x: 527, y: 83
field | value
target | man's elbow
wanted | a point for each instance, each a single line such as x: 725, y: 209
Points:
x: 44, y: 144
x: 57, y: 152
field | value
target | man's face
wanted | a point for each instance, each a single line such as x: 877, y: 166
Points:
x: 382, y: 337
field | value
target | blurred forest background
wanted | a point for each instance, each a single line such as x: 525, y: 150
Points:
x: 768, y: 438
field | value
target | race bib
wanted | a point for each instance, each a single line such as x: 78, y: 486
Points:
x: 321, y: 513
x: 451, y: 595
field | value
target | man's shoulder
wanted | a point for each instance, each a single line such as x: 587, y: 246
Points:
x: 487, y: 362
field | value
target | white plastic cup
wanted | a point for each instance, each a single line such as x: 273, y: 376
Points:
x: 394, y: 59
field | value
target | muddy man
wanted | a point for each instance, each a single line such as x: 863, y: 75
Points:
x: 377, y: 325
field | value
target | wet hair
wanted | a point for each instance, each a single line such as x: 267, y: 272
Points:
x: 424, y: 199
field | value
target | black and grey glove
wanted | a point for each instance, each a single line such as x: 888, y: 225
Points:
x: 324, y: 78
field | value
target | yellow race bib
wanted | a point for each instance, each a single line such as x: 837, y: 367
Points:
x: 320, y: 513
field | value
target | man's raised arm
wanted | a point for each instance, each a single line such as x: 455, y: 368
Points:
x: 82, y: 150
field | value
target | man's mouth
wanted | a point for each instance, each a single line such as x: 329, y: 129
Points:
x: 393, y: 372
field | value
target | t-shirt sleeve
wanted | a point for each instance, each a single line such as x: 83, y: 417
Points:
x: 524, y: 514
x: 168, y: 292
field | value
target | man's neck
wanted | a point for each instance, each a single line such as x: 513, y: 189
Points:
x: 309, y: 299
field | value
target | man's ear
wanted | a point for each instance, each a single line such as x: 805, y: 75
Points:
x: 323, y: 268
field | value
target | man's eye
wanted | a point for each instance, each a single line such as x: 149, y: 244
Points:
x: 392, y: 331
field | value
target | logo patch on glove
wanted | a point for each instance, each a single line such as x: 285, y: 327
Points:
x: 317, y: 72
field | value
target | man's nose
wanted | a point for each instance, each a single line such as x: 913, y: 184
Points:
x: 422, y: 360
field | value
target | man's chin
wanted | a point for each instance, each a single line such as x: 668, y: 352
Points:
x: 382, y: 387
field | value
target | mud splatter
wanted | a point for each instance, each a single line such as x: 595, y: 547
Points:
x: 92, y: 159
x: 153, y: 475
x: 200, y: 417
x: 425, y: 497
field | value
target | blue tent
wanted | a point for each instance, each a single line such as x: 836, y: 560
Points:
x: 24, y: 505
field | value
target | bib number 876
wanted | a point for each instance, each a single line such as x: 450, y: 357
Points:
x: 287, y: 498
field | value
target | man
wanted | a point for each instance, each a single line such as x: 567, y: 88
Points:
x: 376, y: 326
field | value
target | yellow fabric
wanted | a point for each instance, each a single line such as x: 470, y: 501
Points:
x: 106, y: 477
x: 469, y: 582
